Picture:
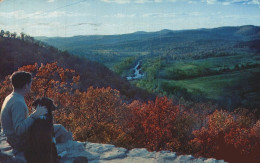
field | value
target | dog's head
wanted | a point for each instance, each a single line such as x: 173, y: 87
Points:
x: 45, y: 101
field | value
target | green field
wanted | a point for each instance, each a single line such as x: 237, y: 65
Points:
x: 213, y: 87
x: 216, y: 78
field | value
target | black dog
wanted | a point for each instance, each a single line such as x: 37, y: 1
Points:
x: 41, y: 145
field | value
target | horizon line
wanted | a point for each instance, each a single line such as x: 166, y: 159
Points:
x: 147, y: 31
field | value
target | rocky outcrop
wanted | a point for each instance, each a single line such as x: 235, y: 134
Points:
x: 99, y: 153
x: 81, y: 152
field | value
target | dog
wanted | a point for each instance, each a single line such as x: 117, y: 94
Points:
x: 41, y: 144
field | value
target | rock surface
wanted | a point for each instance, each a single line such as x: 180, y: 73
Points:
x: 81, y: 152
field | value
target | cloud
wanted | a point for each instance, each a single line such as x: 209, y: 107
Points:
x: 171, y: 15
x: 192, y: 2
x: 160, y: 15
x: 50, y: 1
x: 145, y: 1
x: 21, y: 14
x: 256, y: 2
x: 194, y: 14
x: 229, y: 2
x: 151, y: 1
x: 119, y: 15
x: 90, y: 24
x: 117, y: 1
x: 43, y: 24
x: 209, y: 1
x: 138, y: 1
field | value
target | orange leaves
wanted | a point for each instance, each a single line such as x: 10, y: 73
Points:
x: 5, y: 89
x: 154, y: 121
x: 48, y: 80
x: 220, y: 121
x: 29, y: 68
x: 227, y: 133
x: 97, y: 114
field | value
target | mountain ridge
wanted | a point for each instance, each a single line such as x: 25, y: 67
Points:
x: 76, y: 44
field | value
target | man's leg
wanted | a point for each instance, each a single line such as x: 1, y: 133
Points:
x: 61, y: 134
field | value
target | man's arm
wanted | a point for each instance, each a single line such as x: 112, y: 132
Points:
x: 19, y: 118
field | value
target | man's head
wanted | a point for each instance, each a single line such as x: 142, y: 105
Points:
x: 21, y: 79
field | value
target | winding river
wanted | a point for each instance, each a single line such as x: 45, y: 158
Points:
x: 137, y: 74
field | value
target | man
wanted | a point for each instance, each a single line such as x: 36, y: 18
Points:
x: 15, y: 119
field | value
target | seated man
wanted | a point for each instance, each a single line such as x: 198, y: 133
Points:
x: 15, y: 119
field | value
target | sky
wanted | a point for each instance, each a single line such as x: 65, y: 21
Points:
x: 66, y: 18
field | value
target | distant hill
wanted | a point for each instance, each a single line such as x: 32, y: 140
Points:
x: 164, y: 37
x: 181, y: 44
x: 15, y: 53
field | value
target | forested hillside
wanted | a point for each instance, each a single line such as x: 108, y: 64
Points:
x: 15, y: 53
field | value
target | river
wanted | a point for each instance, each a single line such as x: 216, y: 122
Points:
x: 137, y: 74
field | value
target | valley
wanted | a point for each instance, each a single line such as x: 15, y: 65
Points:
x: 220, y: 64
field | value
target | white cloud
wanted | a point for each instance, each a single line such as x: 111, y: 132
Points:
x: 256, y: 2
x: 141, y: 1
x: 88, y: 24
x: 171, y: 15
x: 195, y: 14
x: 228, y: 2
x: 191, y: 2
x: 119, y: 15
x: 117, y: 1
x: 159, y: 15
x: 156, y: 1
x: 50, y: 1
x: 210, y: 1
x: 21, y: 14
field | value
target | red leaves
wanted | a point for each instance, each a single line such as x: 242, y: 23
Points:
x: 153, y: 121
x: 99, y: 113
x: 227, y: 137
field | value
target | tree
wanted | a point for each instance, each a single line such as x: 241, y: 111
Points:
x: 99, y: 116
x: 234, y: 138
x: 13, y: 35
x: 154, y: 122
x: 7, y: 33
x: 22, y: 34
x: 2, y: 33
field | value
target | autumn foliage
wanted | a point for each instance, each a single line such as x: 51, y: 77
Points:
x: 101, y: 115
x: 234, y: 138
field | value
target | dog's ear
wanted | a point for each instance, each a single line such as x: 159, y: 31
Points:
x: 36, y: 103
x: 49, y: 103
x: 54, y: 107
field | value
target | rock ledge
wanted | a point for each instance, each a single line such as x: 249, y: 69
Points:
x: 80, y: 152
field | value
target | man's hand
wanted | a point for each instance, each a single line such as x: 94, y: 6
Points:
x: 40, y: 110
